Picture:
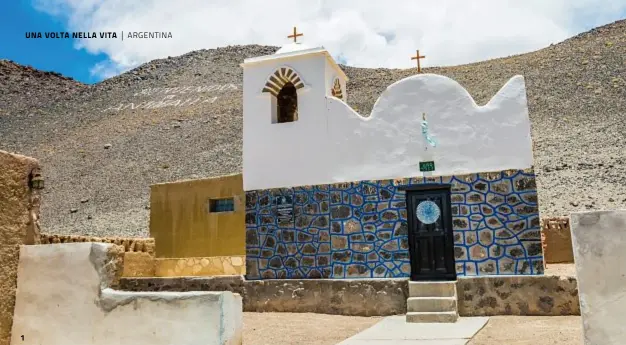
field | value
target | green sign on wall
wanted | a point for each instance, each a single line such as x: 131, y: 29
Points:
x: 427, y: 166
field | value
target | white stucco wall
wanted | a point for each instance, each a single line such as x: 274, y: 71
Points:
x: 260, y: 150
x: 332, y: 143
x: 62, y: 298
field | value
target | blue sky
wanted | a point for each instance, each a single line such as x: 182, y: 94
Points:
x: 57, y: 55
x: 361, y: 34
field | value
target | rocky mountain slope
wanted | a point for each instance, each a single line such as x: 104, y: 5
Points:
x: 23, y: 88
x: 103, y: 145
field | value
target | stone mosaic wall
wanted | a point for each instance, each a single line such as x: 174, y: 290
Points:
x: 359, y: 229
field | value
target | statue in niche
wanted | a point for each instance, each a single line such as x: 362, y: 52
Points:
x: 429, y: 139
x: 287, y: 104
x: 336, y: 90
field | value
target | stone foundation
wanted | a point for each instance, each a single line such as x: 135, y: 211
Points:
x: 337, y: 297
x: 514, y: 295
x: 490, y: 295
x: 209, y: 266
x: 343, y: 297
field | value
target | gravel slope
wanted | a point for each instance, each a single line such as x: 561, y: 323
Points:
x: 100, y: 163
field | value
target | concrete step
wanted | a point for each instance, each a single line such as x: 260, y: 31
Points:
x: 441, y: 317
x: 431, y: 304
x: 432, y: 289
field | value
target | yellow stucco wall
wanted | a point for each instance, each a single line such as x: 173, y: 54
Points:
x: 182, y: 225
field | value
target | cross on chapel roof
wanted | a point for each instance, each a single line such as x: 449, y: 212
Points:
x: 295, y: 35
x: 418, y: 57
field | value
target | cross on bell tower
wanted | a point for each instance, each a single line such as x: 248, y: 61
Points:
x: 418, y: 57
x: 295, y: 35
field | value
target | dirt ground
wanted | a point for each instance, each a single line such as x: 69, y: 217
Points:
x: 300, y: 328
x: 530, y: 330
x: 320, y: 329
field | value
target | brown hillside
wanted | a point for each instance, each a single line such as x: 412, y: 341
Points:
x: 23, y: 87
x: 99, y: 163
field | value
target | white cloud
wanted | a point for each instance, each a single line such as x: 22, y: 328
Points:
x: 363, y: 33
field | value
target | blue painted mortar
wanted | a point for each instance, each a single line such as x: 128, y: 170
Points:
x: 359, y: 229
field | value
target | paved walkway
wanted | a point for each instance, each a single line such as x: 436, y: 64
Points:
x: 395, y: 330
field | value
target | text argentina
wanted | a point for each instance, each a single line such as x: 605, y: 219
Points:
x: 156, y: 34
x: 71, y: 35
x: 167, y: 101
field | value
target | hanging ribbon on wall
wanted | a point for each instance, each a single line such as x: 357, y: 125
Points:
x: 429, y: 139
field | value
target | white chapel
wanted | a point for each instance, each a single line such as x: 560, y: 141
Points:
x: 299, y: 130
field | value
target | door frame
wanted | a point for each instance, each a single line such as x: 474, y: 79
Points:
x: 449, y: 236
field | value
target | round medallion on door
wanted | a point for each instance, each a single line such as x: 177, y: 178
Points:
x: 427, y: 212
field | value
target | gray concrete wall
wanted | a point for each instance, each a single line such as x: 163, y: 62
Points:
x: 599, y: 243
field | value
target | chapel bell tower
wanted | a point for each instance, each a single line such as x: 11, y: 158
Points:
x: 285, y: 94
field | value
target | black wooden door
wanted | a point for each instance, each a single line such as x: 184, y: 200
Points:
x: 431, y: 245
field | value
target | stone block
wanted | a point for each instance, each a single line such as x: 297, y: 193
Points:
x: 431, y: 304
x: 599, y: 245
x: 432, y: 289
x: 72, y: 284
x: 138, y: 264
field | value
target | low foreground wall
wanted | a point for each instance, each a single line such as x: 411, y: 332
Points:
x: 138, y: 252
x: 491, y: 295
x: 140, y: 260
x: 362, y: 297
x: 65, y: 296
